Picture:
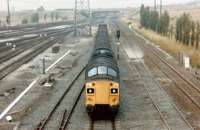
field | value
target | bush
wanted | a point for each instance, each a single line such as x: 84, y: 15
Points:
x: 25, y: 21
x: 35, y: 18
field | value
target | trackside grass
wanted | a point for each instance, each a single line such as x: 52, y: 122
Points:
x: 170, y: 45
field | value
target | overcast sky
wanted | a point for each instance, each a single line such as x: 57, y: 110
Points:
x: 54, y: 4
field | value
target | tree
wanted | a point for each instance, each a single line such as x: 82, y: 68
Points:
x: 56, y: 16
x: 171, y: 31
x: 151, y: 20
x: 197, y: 35
x: 154, y: 19
x: 179, y: 31
x: 45, y: 17
x: 24, y: 21
x: 142, y: 15
x: 145, y: 16
x: 183, y: 29
x: 193, y: 32
x: 164, y: 23
x: 41, y: 9
x: 52, y: 16
x: 186, y: 23
x: 35, y: 18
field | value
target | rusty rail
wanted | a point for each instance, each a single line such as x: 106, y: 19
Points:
x: 43, y: 122
x: 61, y: 127
x: 66, y: 121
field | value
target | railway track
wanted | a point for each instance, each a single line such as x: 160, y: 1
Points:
x: 27, y: 36
x: 176, y: 80
x: 14, y: 31
x: 188, y: 88
x: 156, y: 106
x: 155, y: 57
x: 38, y: 25
x: 3, y: 43
x: 66, y: 116
x: 31, y: 52
x: 7, y: 52
x: 103, y: 124
x: 163, y: 116
x: 6, y: 32
x: 142, y: 73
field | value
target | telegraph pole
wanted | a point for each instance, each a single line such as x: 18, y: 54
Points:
x: 83, y: 5
x: 8, y: 15
x: 89, y: 11
x: 75, y: 19
x: 160, y: 7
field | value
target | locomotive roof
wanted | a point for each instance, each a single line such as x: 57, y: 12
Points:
x: 105, y: 52
x: 105, y: 61
x: 102, y: 37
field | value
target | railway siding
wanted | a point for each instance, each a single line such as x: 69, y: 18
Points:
x: 49, y: 96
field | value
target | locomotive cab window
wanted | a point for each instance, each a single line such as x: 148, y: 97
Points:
x: 92, y: 72
x: 104, y: 51
x: 112, y: 72
x: 102, y: 70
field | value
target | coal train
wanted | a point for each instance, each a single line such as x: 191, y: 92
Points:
x: 102, y: 79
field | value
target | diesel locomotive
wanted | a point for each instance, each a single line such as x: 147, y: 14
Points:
x: 102, y: 79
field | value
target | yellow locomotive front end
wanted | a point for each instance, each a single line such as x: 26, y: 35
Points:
x: 102, y: 93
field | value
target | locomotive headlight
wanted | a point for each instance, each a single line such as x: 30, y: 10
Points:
x: 114, y: 91
x: 90, y: 90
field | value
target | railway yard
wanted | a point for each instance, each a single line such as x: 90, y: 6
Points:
x: 44, y: 90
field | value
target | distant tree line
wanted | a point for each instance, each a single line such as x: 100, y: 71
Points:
x: 35, y: 17
x: 151, y: 19
x: 187, y: 31
x: 42, y: 14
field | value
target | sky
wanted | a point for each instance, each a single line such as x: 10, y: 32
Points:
x: 54, y: 4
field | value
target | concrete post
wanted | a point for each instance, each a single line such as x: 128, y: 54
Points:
x: 75, y: 18
x: 43, y: 66
x: 118, y: 44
